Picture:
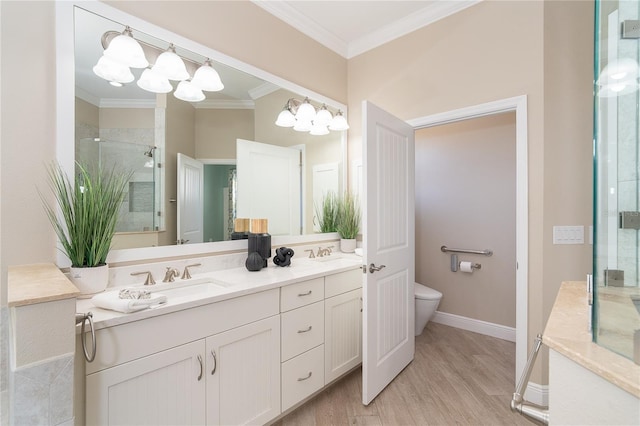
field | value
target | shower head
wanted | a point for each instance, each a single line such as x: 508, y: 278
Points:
x: 149, y: 153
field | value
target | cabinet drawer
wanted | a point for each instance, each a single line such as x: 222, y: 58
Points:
x: 301, y: 294
x: 342, y: 282
x: 302, y: 329
x: 302, y: 376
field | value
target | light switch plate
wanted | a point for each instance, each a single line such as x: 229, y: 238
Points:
x: 568, y: 234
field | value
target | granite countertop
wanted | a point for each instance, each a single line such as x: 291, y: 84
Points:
x: 38, y: 283
x: 567, y: 333
x: 225, y: 284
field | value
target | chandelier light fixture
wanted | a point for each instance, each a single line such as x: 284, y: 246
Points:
x: 302, y: 116
x: 123, y: 52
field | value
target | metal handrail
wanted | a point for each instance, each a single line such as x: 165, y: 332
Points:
x: 518, y: 404
x: 485, y: 252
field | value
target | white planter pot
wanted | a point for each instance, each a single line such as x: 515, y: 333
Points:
x: 347, y: 245
x: 89, y: 281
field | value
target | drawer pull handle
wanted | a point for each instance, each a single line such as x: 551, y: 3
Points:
x: 201, y: 369
x: 305, y: 294
x: 215, y: 362
x: 302, y: 379
x: 305, y: 331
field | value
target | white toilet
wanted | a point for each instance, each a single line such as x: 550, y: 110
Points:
x: 427, y: 300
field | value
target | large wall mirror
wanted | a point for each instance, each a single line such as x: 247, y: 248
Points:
x: 147, y: 132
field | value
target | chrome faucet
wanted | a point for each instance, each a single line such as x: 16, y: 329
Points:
x: 311, y: 255
x: 186, y: 275
x: 170, y: 275
x: 148, y: 280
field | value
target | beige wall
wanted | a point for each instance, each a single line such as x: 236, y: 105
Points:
x: 495, y: 50
x: 217, y: 130
x: 465, y: 197
x: 87, y: 113
x: 180, y: 138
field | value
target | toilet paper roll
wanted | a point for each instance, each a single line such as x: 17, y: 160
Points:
x: 466, y: 267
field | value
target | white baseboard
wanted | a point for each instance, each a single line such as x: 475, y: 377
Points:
x: 477, y: 326
x: 537, y: 394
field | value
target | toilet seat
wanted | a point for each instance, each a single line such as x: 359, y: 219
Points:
x: 425, y: 293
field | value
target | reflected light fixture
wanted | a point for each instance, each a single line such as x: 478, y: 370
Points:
x: 302, y: 116
x: 618, y: 78
x: 170, y: 65
x: 126, y: 50
x: 122, y: 52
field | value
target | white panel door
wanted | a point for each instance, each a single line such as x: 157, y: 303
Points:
x: 243, y: 374
x: 326, y: 178
x: 389, y: 243
x: 190, y: 200
x: 268, y: 185
x: 167, y: 388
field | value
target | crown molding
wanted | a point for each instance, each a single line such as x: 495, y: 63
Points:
x: 224, y: 104
x: 127, y: 103
x: 430, y: 14
x: 436, y: 11
x: 263, y: 90
x: 87, y: 97
x: 304, y: 24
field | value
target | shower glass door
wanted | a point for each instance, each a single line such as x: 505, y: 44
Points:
x: 616, y: 318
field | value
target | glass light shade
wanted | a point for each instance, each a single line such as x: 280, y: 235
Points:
x: 188, y: 92
x: 171, y: 65
x: 319, y: 129
x: 339, y: 122
x: 285, y: 119
x: 207, y: 78
x: 151, y: 81
x: 306, y: 111
x: 112, y: 71
x: 302, y: 126
x: 323, y: 116
x: 126, y: 50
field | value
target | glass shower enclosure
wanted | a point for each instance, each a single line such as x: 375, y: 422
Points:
x: 616, y: 314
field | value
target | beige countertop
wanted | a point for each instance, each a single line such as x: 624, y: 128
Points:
x: 38, y: 283
x: 567, y: 333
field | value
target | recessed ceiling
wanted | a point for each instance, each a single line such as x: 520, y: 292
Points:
x: 353, y: 27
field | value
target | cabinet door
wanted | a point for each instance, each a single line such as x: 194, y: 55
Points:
x: 243, y: 374
x: 166, y: 388
x: 343, y: 334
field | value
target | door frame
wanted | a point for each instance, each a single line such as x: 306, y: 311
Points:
x: 519, y: 105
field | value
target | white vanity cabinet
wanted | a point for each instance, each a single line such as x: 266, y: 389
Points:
x: 162, y: 370
x: 343, y: 323
x: 243, y: 374
x: 166, y: 388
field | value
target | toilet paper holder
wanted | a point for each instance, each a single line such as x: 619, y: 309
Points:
x: 455, y: 264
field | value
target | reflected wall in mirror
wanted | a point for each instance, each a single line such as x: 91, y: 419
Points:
x: 246, y: 108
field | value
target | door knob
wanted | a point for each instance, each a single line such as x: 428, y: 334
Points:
x: 373, y: 268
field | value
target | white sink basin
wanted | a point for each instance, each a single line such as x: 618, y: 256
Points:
x: 192, y: 290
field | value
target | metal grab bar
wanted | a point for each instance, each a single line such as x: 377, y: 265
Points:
x: 485, y: 252
x: 518, y: 404
x: 83, y: 318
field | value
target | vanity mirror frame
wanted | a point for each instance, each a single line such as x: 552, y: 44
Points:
x: 65, y: 113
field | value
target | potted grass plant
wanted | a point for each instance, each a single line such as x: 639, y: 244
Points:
x: 327, y: 213
x: 89, y: 207
x: 348, y: 222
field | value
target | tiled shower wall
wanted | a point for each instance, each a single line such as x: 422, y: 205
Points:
x: 628, y: 156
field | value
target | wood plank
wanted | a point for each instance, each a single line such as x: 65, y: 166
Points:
x: 457, y: 377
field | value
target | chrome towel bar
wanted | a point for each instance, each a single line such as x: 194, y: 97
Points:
x: 485, y: 252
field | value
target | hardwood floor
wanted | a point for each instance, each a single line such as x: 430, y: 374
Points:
x: 457, y: 378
